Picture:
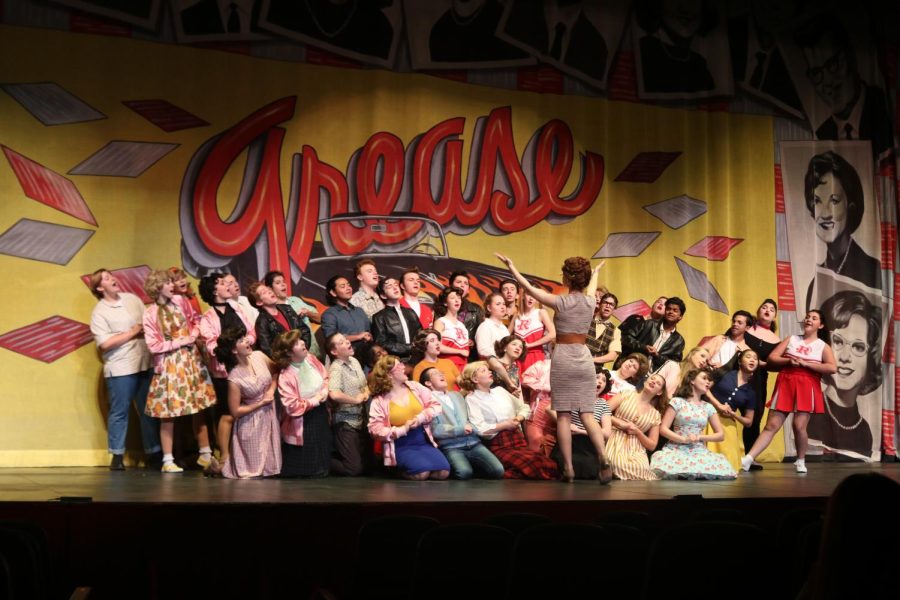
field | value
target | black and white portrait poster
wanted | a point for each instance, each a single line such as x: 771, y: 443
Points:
x: 579, y: 38
x: 199, y: 21
x: 363, y: 30
x: 459, y: 34
x: 857, y: 319
x: 832, y: 218
x: 833, y: 64
x: 681, y: 49
x: 757, y: 35
x: 834, y: 243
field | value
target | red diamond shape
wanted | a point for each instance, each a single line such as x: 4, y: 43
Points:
x: 713, y: 247
x: 47, y: 340
x: 49, y: 187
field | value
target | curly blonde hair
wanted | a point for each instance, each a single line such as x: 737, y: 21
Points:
x: 380, y: 378
x: 154, y: 282
x: 576, y: 271
x: 466, y: 378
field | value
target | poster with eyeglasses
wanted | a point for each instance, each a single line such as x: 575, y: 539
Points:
x: 834, y: 65
x: 857, y: 319
x: 833, y: 237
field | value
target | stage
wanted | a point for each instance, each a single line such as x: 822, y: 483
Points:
x: 133, y: 533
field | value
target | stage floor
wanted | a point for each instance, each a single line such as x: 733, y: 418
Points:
x: 142, y: 486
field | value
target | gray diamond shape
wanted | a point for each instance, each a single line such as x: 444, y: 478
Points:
x: 123, y: 159
x: 51, y: 104
x: 626, y: 244
x: 699, y: 287
x: 46, y: 242
x: 678, y: 211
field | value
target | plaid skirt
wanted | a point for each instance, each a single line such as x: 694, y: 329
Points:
x: 518, y: 461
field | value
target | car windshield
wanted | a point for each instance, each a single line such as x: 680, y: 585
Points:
x: 352, y: 235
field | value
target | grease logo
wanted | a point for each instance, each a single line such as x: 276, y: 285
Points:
x: 501, y: 193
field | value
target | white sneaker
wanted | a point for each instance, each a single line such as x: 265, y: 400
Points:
x: 171, y: 467
x: 746, y: 461
x: 800, y: 465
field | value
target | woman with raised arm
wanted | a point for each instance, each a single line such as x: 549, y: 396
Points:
x: 684, y: 423
x: 798, y: 389
x: 572, y: 376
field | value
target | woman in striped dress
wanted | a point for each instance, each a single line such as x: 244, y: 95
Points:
x: 636, y: 419
x: 572, y: 375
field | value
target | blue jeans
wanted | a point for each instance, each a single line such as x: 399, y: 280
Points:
x: 473, y: 459
x: 123, y: 390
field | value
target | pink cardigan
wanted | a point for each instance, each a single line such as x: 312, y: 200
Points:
x: 211, y: 329
x: 294, y: 404
x: 153, y: 335
x: 380, y: 420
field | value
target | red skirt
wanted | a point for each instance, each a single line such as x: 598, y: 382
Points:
x: 518, y: 461
x: 797, y: 389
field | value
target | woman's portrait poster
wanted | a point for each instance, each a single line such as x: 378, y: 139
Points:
x: 832, y: 219
x: 857, y: 319
x: 682, y: 49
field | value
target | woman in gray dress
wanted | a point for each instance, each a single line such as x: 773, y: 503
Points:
x: 572, y: 381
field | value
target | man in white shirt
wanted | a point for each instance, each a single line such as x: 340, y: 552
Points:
x: 411, y: 285
x: 116, y: 324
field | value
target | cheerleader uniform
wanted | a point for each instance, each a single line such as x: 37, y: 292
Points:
x: 798, y: 388
x: 530, y: 328
x: 455, y: 336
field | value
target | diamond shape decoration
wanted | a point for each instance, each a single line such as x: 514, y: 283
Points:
x: 48, y: 187
x: 626, y: 244
x: 647, y: 167
x: 165, y: 115
x: 51, y: 104
x: 123, y: 159
x: 678, y: 211
x: 637, y: 307
x: 700, y: 288
x: 47, y: 340
x: 46, y: 242
x: 713, y: 247
x: 131, y: 279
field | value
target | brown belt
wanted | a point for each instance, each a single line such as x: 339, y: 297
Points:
x: 570, y: 338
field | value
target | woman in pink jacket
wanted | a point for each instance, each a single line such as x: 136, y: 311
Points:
x: 400, y: 416
x: 306, y: 442
x: 180, y: 385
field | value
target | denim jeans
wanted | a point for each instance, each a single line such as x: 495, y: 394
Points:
x: 123, y: 390
x: 473, y: 459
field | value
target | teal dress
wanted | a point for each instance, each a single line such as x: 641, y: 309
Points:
x: 693, y: 460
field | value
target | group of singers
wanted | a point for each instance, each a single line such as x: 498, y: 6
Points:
x: 392, y: 382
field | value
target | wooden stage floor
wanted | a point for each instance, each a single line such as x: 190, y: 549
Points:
x: 142, y: 486
x: 116, y: 531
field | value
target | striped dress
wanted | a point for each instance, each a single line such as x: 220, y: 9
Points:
x: 627, y: 455
x: 572, y: 377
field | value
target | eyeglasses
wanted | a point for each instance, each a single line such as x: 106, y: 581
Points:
x: 608, y: 303
x: 857, y: 348
x: 833, y: 66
